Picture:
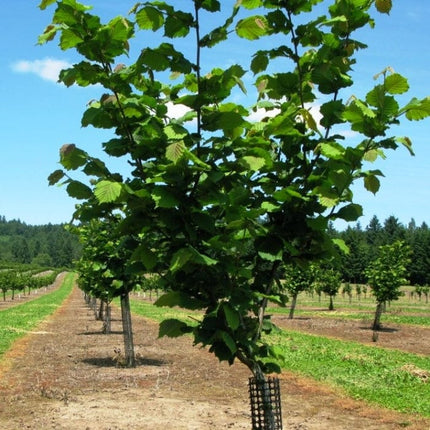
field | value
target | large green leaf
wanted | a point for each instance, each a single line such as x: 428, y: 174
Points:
x: 252, y: 27
x: 164, y: 198
x: 254, y: 163
x: 107, y: 191
x: 350, y: 212
x: 56, y: 176
x: 189, y: 254
x: 396, y: 84
x: 231, y: 315
x: 372, y: 183
x: 72, y: 157
x: 417, y: 110
x: 175, y: 151
x: 227, y: 339
x: 173, y: 328
x: 181, y: 299
x: 78, y: 190
x: 146, y: 256
x: 149, y: 18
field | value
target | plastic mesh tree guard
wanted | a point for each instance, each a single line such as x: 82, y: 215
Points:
x: 265, y: 398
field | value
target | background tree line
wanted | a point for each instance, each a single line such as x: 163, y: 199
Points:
x: 364, y: 243
x: 49, y: 245
x: 53, y: 245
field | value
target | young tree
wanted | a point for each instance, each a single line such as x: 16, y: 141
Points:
x: 220, y: 201
x: 328, y: 281
x: 106, y: 272
x: 386, y: 275
x: 297, y: 280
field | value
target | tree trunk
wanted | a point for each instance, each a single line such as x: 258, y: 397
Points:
x: 293, y: 307
x: 107, y: 319
x: 101, y: 310
x: 127, y: 331
x: 331, y: 305
x: 378, y: 313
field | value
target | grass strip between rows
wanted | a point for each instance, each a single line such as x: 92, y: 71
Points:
x: 392, y: 379
x: 15, y: 322
x: 387, y: 317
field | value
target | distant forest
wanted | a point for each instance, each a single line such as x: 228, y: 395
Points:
x: 49, y: 245
x: 363, y: 245
x: 53, y: 246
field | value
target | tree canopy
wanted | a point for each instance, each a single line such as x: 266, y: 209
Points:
x: 218, y: 202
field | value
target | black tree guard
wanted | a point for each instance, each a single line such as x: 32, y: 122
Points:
x: 265, y: 400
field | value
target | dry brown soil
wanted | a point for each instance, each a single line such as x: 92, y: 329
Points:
x: 63, y: 376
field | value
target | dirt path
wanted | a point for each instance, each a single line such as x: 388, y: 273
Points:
x: 63, y: 376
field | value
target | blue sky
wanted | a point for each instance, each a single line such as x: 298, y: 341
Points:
x: 38, y: 115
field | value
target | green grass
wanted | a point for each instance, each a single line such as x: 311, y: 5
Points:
x: 402, y: 311
x: 377, y: 375
x: 18, y: 320
x: 380, y: 376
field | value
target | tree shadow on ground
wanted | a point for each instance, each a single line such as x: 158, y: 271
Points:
x: 112, y: 362
x: 381, y: 329
x: 90, y: 333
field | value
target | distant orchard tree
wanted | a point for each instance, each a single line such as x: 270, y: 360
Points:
x: 386, y: 275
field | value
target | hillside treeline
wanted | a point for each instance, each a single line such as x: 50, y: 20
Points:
x: 364, y: 242
x: 49, y: 245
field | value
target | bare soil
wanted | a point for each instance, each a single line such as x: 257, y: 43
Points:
x: 63, y: 375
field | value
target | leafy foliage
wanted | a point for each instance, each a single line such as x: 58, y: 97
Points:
x: 387, y: 273
x: 217, y: 203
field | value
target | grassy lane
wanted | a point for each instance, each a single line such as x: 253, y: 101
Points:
x: 419, y: 320
x: 391, y: 379
x: 18, y: 320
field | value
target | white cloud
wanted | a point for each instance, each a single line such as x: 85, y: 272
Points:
x: 47, y: 69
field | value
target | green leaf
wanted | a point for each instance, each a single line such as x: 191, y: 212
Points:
x: 190, y: 254
x: 69, y: 39
x: 175, y: 151
x: 146, y: 256
x: 71, y: 157
x: 149, y: 18
x: 107, y: 191
x: 341, y: 244
x: 252, y: 27
x: 417, y: 110
x: 164, y: 198
x: 254, y: 163
x: 180, y: 259
x: 178, y: 24
x: 396, y: 84
x: 270, y: 248
x: 406, y: 142
x: 181, y: 299
x: 259, y: 62
x: 372, y: 183
x: 56, y: 176
x: 231, y: 316
x: 227, y: 339
x: 332, y: 150
x: 350, y: 212
x: 48, y: 34
x: 173, y: 328
x: 45, y: 3
x: 78, y: 190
